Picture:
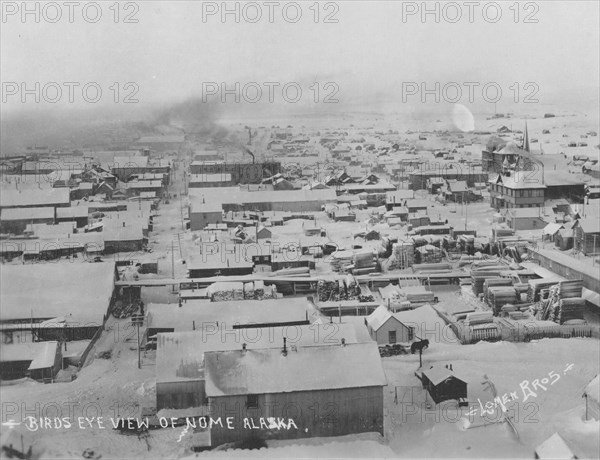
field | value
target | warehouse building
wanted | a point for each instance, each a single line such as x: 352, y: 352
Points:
x: 41, y: 303
x: 180, y: 380
x: 348, y: 391
x: 196, y: 315
x: 236, y: 199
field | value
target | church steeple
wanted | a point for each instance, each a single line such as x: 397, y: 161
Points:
x: 526, y: 139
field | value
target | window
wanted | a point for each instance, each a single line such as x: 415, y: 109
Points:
x: 392, y: 336
x: 411, y: 333
x: 252, y: 401
x: 529, y: 193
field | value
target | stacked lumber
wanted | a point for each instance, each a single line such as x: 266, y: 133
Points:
x: 430, y: 254
x: 225, y: 291
x: 500, y: 296
x: 492, y: 282
x: 569, y: 309
x: 417, y: 295
x: 403, y: 255
x: 536, y: 286
x: 328, y: 290
x: 517, y: 315
x: 481, y: 317
x: 341, y: 261
x: 478, y: 277
x: 570, y: 288
x: 363, y: 263
x: 440, y: 267
x: 337, y: 290
x: 259, y: 289
x: 352, y: 287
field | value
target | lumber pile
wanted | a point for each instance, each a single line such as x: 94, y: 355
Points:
x: 417, y: 295
x: 570, y: 288
x: 569, y: 309
x: 430, y: 254
x: 500, y: 296
x: 363, y: 263
x: 478, y: 277
x: 224, y: 291
x: 341, y: 261
x: 440, y: 267
x: 536, y: 286
x: 481, y: 317
x: 340, y: 289
x: 492, y: 282
x: 403, y: 255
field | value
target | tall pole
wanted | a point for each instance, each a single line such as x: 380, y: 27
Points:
x: 466, y: 211
x: 138, y: 343
x: 173, y: 259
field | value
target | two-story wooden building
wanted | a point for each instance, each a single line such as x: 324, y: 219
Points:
x: 522, y: 189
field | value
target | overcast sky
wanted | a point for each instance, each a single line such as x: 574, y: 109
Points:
x: 368, y: 53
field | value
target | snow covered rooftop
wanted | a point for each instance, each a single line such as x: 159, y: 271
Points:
x: 254, y: 371
x: 204, y: 313
x: 51, y: 290
x: 177, y: 350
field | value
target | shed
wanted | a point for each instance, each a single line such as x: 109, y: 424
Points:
x: 263, y: 233
x: 587, y: 235
x: 38, y: 360
x: 384, y: 328
x: 442, y: 384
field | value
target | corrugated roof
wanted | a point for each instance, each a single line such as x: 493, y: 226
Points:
x: 268, y: 371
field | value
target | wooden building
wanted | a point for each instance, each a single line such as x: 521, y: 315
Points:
x: 526, y: 218
x: 442, y: 384
x: 587, y: 235
x: 204, y: 213
x: 264, y: 383
x: 384, y: 328
x: 180, y: 382
x: 15, y: 220
x: 517, y: 191
x: 37, y: 360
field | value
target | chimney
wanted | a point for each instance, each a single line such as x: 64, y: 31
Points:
x: 451, y: 368
x: 343, y: 342
x: 193, y: 325
x: 243, y: 348
x: 123, y: 224
x: 284, y: 351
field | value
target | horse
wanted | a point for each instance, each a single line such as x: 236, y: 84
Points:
x: 419, y: 346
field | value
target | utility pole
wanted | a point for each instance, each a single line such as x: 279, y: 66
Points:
x: 138, y: 320
x: 179, y: 241
x: 173, y: 259
x: 466, y: 211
